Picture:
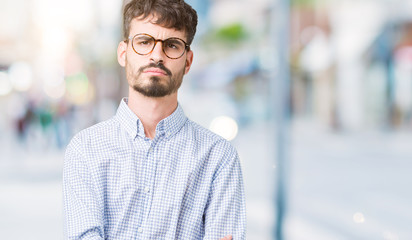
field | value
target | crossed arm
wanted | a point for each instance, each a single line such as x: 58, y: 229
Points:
x: 228, y: 237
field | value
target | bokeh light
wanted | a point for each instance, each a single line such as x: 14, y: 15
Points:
x: 387, y: 235
x: 358, y: 217
x: 225, y: 127
x: 5, y: 85
x: 21, y: 76
x: 53, y: 83
x: 79, y: 90
x: 55, y: 91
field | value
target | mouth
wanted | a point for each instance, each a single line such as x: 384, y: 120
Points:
x: 155, y: 72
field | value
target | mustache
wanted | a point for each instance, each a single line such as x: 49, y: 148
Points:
x: 158, y: 65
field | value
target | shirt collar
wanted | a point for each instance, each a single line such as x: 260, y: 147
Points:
x: 133, y: 126
x: 172, y: 124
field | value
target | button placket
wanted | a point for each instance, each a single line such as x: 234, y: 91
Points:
x: 149, y: 180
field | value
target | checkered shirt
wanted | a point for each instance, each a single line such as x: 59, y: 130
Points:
x: 186, y: 183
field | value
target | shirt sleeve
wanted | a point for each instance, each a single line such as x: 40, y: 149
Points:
x: 225, y: 211
x: 82, y: 210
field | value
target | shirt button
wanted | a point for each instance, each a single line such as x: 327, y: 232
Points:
x: 146, y: 189
x: 140, y: 230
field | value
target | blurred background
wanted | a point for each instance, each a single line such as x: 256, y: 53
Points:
x: 334, y: 158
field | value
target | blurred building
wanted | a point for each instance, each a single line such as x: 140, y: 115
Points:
x: 59, y: 57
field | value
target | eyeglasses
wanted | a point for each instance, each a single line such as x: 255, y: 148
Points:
x: 144, y: 44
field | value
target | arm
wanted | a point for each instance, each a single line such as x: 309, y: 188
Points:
x: 228, y: 237
x: 225, y: 211
x: 82, y: 211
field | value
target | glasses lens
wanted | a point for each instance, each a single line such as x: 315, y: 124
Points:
x: 174, y: 47
x: 143, y: 44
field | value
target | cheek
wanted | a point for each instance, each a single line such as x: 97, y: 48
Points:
x: 180, y: 67
x: 131, y: 70
x: 132, y: 64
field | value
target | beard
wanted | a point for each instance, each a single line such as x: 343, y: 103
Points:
x: 157, y: 86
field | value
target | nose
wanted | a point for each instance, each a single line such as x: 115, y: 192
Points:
x: 157, y: 54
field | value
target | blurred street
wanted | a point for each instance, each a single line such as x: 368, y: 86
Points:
x: 341, y: 186
x: 30, y: 190
x: 350, y: 186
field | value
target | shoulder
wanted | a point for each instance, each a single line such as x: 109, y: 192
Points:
x: 219, y: 155
x: 213, y: 143
x: 96, y: 133
x: 201, y: 133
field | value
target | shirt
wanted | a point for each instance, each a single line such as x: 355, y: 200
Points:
x: 186, y: 183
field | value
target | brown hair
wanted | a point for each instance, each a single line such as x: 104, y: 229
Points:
x: 174, y: 14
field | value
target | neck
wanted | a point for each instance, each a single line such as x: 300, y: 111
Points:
x: 151, y: 110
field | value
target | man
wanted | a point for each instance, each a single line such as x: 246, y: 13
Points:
x: 149, y: 172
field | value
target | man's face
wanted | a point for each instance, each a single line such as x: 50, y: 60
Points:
x: 154, y: 74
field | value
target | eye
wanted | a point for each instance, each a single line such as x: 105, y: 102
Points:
x: 171, y: 45
x: 143, y: 41
x: 174, y: 44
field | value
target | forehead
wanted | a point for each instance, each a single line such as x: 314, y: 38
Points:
x: 147, y: 26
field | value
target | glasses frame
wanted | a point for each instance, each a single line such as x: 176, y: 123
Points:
x: 187, y: 47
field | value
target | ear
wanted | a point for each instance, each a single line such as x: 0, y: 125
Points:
x: 189, y: 60
x: 121, y: 53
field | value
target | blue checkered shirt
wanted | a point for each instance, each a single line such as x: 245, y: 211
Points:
x: 186, y: 183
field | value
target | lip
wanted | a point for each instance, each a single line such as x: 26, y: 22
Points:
x: 155, y: 71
